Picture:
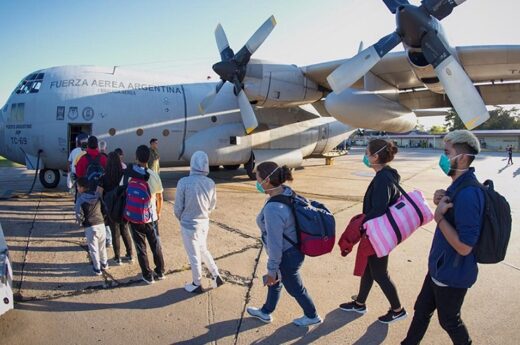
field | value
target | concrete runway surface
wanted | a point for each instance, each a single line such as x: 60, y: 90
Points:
x: 60, y: 301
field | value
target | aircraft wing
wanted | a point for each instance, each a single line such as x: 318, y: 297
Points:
x: 494, y: 69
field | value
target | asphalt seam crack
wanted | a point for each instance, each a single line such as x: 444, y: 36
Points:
x: 248, y: 295
x: 28, y: 243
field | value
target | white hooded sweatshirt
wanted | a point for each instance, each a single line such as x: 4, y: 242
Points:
x: 196, y: 195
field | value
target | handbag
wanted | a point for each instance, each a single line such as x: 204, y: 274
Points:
x: 410, y: 211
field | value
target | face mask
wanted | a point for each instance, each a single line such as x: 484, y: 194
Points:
x: 367, y: 162
x: 259, y: 186
x: 445, y: 164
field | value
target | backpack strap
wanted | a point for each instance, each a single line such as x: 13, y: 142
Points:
x: 91, y: 159
x: 465, y: 184
x: 289, y: 201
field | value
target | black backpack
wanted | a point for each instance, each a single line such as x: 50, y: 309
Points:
x: 496, y: 224
x: 94, y: 171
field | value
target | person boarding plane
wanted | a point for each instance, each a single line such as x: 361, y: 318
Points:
x: 261, y: 111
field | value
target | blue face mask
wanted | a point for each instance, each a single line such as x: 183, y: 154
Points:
x: 259, y: 187
x: 366, y: 161
x: 445, y: 164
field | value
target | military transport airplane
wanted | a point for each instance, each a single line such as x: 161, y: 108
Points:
x: 265, y: 111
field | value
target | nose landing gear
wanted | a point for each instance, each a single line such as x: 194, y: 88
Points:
x: 49, y: 178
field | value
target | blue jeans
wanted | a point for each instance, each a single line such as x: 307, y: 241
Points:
x: 292, y: 260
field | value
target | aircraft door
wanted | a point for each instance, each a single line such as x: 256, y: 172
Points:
x: 74, y: 130
x: 323, y: 138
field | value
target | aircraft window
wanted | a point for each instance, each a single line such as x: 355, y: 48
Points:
x: 17, y: 112
x: 139, y: 132
x: 166, y: 132
x: 30, y: 84
x: 112, y: 132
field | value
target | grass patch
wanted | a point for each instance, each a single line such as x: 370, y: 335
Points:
x: 4, y: 163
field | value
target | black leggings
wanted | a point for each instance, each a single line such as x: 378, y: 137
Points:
x: 377, y: 269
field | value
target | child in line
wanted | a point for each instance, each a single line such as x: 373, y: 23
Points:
x: 89, y: 216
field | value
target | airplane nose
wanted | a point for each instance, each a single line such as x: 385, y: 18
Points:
x: 2, y: 132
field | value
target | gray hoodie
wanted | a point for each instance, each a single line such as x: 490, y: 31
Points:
x: 88, y: 210
x: 196, y: 195
x: 275, y: 220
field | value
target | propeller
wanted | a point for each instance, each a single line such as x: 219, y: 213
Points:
x: 418, y: 27
x: 232, y: 68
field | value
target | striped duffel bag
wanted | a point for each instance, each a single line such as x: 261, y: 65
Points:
x: 399, y: 222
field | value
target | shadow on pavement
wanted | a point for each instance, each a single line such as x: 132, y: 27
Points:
x: 163, y: 300
x: 375, y: 334
x: 501, y: 170
x: 332, y: 322
x: 219, y: 330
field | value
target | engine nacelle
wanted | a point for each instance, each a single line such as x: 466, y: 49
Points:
x: 423, y: 70
x: 273, y: 85
x: 367, y: 109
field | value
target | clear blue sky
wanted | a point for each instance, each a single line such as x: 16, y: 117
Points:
x: 177, y: 36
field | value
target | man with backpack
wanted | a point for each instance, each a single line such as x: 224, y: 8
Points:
x: 452, y: 263
x: 92, y: 164
x: 142, y: 210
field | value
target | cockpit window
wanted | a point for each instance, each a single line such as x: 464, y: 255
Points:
x: 31, y: 84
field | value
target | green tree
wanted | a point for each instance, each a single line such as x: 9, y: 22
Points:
x: 437, y: 130
x: 499, y: 118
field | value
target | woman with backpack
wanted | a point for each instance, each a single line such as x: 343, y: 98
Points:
x: 111, y: 180
x: 381, y: 193
x: 276, y: 223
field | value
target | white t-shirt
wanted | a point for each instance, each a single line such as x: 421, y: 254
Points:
x: 72, y: 157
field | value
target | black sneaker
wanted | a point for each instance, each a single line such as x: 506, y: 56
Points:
x: 216, y: 282
x: 353, y: 306
x: 129, y: 258
x: 392, y: 316
x: 160, y: 276
x: 118, y: 261
x: 148, y: 280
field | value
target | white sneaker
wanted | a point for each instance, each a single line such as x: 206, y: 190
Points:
x: 256, y: 312
x: 191, y: 287
x: 305, y: 321
x: 216, y: 282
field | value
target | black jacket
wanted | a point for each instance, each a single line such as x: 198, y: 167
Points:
x: 381, y: 193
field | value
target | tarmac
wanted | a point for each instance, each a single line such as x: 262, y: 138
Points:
x: 60, y: 301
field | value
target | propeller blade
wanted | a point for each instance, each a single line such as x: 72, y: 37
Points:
x: 394, y: 4
x: 247, y: 112
x: 226, y: 53
x: 255, y: 41
x: 356, y: 67
x: 210, y: 97
x: 460, y: 89
x: 440, y: 8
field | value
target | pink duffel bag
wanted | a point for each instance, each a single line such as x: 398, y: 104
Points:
x: 399, y: 222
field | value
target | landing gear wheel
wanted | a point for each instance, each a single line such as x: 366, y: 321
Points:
x: 250, y: 167
x: 214, y: 168
x: 231, y: 167
x: 49, y: 178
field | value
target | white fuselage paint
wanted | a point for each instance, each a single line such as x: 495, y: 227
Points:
x: 130, y: 103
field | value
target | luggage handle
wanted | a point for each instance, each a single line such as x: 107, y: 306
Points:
x: 403, y: 192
